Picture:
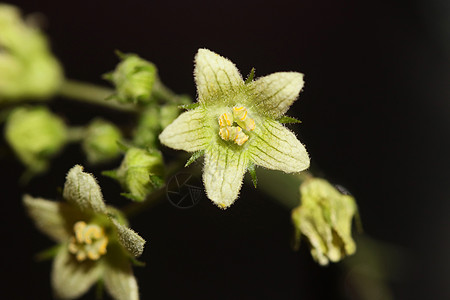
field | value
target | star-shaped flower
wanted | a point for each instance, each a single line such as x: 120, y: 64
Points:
x: 235, y: 124
x: 95, y: 242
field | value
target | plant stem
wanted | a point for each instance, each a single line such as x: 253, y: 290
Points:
x: 281, y: 186
x: 94, y: 94
x: 162, y: 92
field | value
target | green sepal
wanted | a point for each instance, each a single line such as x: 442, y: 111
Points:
x: 156, y: 181
x: 99, y: 289
x: 288, y: 120
x: 132, y: 197
x: 252, y: 171
x: 194, y: 157
x: 110, y: 173
x: 123, y: 146
x: 48, y: 254
x: 250, y: 76
x: 137, y: 263
x: 189, y: 106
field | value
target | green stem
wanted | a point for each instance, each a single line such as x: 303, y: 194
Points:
x: 93, y: 94
x: 281, y: 186
x: 76, y: 134
x: 160, y: 91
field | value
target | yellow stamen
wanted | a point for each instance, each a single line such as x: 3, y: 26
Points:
x: 89, y: 241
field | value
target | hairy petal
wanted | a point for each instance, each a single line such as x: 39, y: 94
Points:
x: 223, y: 174
x: 118, y: 276
x: 215, y: 74
x: 55, y: 219
x: 129, y: 239
x: 82, y: 190
x: 275, y: 93
x: 276, y: 147
x: 71, y: 278
x: 188, y: 132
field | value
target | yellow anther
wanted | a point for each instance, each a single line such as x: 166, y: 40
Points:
x: 234, y: 133
x: 241, y: 138
x: 224, y: 120
x: 240, y: 114
x: 89, y: 241
x: 79, y: 231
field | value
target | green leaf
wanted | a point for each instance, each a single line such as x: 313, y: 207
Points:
x: 252, y: 171
x: 194, y: 157
x: 189, y: 106
x: 288, y: 120
x: 250, y: 76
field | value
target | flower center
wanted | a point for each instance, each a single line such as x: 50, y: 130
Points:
x: 229, y: 131
x: 89, y: 241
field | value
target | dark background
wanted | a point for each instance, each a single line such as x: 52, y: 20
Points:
x: 375, y: 111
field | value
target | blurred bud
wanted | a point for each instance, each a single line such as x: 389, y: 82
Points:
x: 140, y: 173
x: 100, y: 142
x: 133, y: 78
x: 148, y: 129
x: 325, y: 218
x: 27, y: 67
x: 35, y: 134
x: 168, y: 114
x: 152, y: 121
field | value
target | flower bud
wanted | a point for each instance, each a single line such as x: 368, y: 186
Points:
x: 133, y: 78
x: 100, y: 142
x: 148, y: 129
x: 168, y: 114
x: 35, y: 134
x: 152, y: 121
x: 27, y: 67
x: 140, y: 173
x: 325, y: 218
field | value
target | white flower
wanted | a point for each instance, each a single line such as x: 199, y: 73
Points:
x: 95, y: 242
x: 235, y: 125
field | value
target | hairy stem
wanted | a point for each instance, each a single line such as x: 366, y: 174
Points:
x: 93, y: 94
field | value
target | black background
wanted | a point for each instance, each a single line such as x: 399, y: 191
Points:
x: 375, y: 112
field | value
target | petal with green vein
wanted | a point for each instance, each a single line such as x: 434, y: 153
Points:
x: 223, y: 173
x: 276, y: 147
x: 275, y: 93
x: 214, y: 75
x: 188, y: 132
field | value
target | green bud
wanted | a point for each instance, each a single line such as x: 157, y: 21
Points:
x: 100, y: 142
x: 325, y: 218
x: 35, y: 134
x: 148, y: 129
x: 140, y: 173
x: 168, y: 114
x: 133, y: 78
x: 27, y: 67
x: 152, y: 121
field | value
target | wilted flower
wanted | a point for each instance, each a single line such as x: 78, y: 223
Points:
x: 236, y: 124
x: 27, y: 67
x: 140, y: 173
x: 133, y: 78
x: 100, y: 142
x: 35, y: 134
x: 95, y: 242
x: 325, y: 218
